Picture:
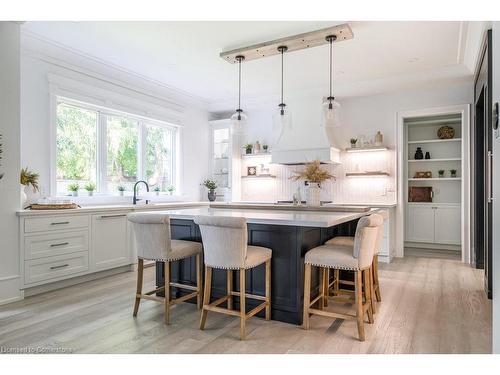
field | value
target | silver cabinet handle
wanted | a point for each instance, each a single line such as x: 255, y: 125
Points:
x: 489, y: 179
x: 60, y: 223
x: 57, y: 267
x: 111, y: 216
x: 59, y: 244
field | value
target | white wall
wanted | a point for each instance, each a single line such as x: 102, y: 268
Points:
x: 40, y: 59
x: 496, y: 194
x: 360, y: 116
x: 10, y: 165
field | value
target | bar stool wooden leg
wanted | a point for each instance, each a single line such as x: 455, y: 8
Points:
x: 229, y: 284
x: 307, y: 296
x: 268, y: 289
x: 359, y: 305
x: 368, y: 296
x: 326, y: 284
x: 206, y: 296
x: 375, y: 279
x: 321, y: 288
x: 140, y: 274
x: 372, y: 291
x: 199, y: 284
x: 242, y: 304
x: 336, y: 274
x: 166, y: 268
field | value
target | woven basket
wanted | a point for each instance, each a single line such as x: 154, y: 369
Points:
x: 66, y: 206
x: 446, y: 132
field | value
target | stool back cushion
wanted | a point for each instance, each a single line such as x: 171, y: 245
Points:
x: 380, y: 236
x: 224, y: 241
x: 365, y: 239
x: 152, y: 235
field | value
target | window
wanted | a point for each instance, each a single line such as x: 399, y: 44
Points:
x: 112, y: 149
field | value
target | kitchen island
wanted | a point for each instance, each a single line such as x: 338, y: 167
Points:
x: 290, y: 234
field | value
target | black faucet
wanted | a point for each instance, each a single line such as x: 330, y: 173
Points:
x: 135, y: 191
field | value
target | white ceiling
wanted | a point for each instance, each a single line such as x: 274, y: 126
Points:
x: 382, y: 56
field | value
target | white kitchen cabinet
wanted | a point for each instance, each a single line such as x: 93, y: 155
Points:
x: 420, y: 224
x: 447, y: 225
x: 434, y: 223
x: 110, y: 246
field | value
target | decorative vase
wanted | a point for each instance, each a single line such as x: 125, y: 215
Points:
x: 24, y: 197
x: 74, y: 193
x: 446, y: 132
x: 427, y: 155
x: 211, y: 195
x: 419, y: 155
x: 313, y: 191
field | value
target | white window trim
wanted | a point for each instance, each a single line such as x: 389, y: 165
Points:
x: 103, y: 113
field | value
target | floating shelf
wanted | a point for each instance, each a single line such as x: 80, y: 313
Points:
x: 380, y: 173
x: 221, y: 174
x: 431, y: 160
x: 260, y: 176
x: 367, y: 149
x: 261, y: 154
x: 436, y: 179
x: 435, y: 140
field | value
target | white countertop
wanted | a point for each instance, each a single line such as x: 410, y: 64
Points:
x: 111, y: 208
x: 272, y: 217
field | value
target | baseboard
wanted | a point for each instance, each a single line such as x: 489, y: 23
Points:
x: 433, y: 246
x: 75, y: 280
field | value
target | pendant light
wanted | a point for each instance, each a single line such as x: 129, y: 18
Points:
x: 330, y: 107
x: 282, y: 119
x: 239, y: 118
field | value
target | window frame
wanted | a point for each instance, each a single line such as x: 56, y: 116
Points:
x: 101, y: 158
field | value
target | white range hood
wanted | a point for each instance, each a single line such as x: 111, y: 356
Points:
x: 305, y: 144
x: 326, y: 155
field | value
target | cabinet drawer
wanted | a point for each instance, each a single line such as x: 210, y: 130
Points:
x: 45, y: 245
x: 56, y: 267
x: 43, y: 224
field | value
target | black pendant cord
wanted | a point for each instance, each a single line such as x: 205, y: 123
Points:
x: 239, y: 110
x: 282, y: 75
x: 282, y: 105
x: 331, y: 58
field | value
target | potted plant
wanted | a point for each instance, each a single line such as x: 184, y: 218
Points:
x: 28, y: 178
x: 314, y: 176
x: 441, y: 173
x: 453, y: 172
x: 265, y: 148
x: 248, y: 148
x: 157, y: 190
x: 171, y: 189
x: 73, y: 188
x: 211, y: 186
x: 121, y: 190
x: 90, y: 187
x: 353, y: 142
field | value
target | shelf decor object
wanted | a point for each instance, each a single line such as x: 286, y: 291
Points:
x: 446, y: 132
x: 330, y: 107
x: 251, y: 171
x: 420, y: 194
x: 419, y: 155
x: 425, y: 174
x: 238, y: 119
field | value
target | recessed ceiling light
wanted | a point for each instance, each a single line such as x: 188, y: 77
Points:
x: 413, y: 59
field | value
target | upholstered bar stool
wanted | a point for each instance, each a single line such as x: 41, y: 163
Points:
x: 225, y: 247
x: 349, y: 241
x: 357, y: 259
x: 153, y: 242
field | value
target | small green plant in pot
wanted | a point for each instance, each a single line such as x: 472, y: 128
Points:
x: 265, y: 148
x: 90, y: 187
x: 248, y: 148
x: 353, y: 142
x: 73, y: 188
x: 27, y: 178
x: 121, y: 189
x: 157, y: 190
x: 453, y: 172
x: 171, y: 190
x: 211, y: 185
x: 441, y: 173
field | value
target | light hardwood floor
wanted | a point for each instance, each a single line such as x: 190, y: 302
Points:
x: 430, y: 305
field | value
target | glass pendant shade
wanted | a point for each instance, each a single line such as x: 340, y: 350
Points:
x: 282, y: 121
x: 238, y: 122
x: 330, y: 114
